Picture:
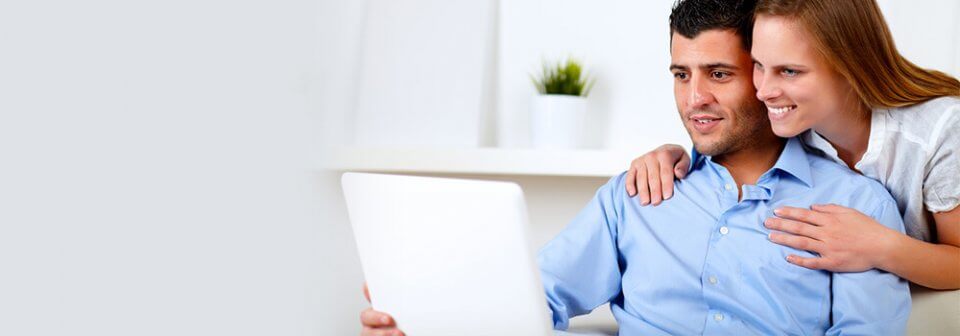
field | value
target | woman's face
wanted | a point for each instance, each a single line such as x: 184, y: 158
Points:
x: 801, y: 91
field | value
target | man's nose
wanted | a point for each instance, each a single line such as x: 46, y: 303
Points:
x: 699, y: 93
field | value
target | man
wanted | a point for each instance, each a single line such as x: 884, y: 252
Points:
x: 702, y: 263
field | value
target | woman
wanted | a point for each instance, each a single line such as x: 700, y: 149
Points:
x: 828, y: 72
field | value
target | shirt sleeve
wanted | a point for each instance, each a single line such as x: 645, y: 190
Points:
x: 941, y: 183
x: 872, y: 302
x: 580, y: 268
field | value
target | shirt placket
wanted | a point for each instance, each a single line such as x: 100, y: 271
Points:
x: 720, y: 268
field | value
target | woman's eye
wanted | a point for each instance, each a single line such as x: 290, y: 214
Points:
x: 790, y: 72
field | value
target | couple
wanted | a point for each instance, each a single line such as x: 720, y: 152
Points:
x: 710, y: 260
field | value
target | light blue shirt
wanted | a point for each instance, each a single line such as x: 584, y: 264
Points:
x: 701, y: 262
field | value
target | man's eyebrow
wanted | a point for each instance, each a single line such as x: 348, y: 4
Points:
x: 720, y: 65
x: 678, y: 67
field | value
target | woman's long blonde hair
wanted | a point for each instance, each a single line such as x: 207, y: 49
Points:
x: 854, y: 38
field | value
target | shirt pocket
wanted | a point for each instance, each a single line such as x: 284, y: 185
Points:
x: 797, y: 298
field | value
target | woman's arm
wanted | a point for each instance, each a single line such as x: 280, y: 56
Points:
x: 932, y: 265
x: 849, y: 241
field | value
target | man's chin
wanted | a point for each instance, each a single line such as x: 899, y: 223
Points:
x: 709, y: 148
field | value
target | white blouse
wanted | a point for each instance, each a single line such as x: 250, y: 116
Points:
x: 914, y: 152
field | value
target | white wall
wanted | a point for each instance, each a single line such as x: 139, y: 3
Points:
x: 607, y: 36
x: 926, y: 32
x: 339, y: 26
x: 624, y: 46
x: 156, y: 168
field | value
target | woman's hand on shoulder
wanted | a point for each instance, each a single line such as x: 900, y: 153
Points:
x: 651, y: 175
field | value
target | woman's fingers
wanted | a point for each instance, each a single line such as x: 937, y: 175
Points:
x: 792, y: 227
x: 632, y: 178
x: 642, y: 185
x: 797, y: 242
x: 374, y: 319
x: 811, y: 263
x: 680, y: 169
x: 666, y: 176
x: 829, y: 208
x: 651, y: 176
x: 653, y: 179
x: 801, y: 215
x: 663, y: 164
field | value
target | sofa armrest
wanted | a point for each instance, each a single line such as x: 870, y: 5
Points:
x: 934, y: 312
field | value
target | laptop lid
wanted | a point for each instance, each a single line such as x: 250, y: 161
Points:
x: 447, y: 256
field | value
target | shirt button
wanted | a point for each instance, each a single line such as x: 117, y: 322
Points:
x: 724, y: 230
x: 713, y: 280
x: 728, y: 186
x: 718, y: 317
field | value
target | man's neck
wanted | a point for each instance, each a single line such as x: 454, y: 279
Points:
x: 747, y: 164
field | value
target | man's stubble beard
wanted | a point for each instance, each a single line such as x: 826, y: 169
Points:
x: 750, y: 128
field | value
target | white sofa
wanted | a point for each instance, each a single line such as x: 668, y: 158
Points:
x: 934, y: 313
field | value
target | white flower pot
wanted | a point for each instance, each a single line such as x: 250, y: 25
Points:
x: 558, y: 121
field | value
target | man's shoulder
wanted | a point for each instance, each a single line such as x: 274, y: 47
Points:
x: 844, y: 182
x: 616, y: 186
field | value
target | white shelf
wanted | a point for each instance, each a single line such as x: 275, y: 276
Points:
x: 484, y: 161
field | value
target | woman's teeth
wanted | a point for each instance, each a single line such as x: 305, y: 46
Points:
x: 781, y: 110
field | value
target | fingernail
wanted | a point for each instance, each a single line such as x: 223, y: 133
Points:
x: 790, y: 258
x: 385, y: 320
x: 770, y: 236
x: 776, y: 212
x: 667, y: 196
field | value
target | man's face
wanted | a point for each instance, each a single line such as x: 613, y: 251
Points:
x: 713, y: 87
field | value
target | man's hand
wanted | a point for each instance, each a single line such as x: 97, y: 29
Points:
x: 377, y: 323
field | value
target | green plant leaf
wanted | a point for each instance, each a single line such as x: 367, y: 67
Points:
x: 566, y: 78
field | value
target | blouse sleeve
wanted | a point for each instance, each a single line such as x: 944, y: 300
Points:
x: 941, y: 185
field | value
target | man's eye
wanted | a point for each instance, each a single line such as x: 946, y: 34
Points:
x: 680, y: 75
x: 719, y: 75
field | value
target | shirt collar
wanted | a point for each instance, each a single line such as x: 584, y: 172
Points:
x: 792, y: 160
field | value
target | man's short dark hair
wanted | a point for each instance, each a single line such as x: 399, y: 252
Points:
x: 689, y: 18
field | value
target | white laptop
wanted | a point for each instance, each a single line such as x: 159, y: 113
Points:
x: 447, y: 256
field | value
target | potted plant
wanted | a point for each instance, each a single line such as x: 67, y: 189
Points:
x: 559, y: 111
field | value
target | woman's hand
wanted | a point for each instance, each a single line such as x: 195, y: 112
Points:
x: 652, y: 174
x: 845, y: 239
